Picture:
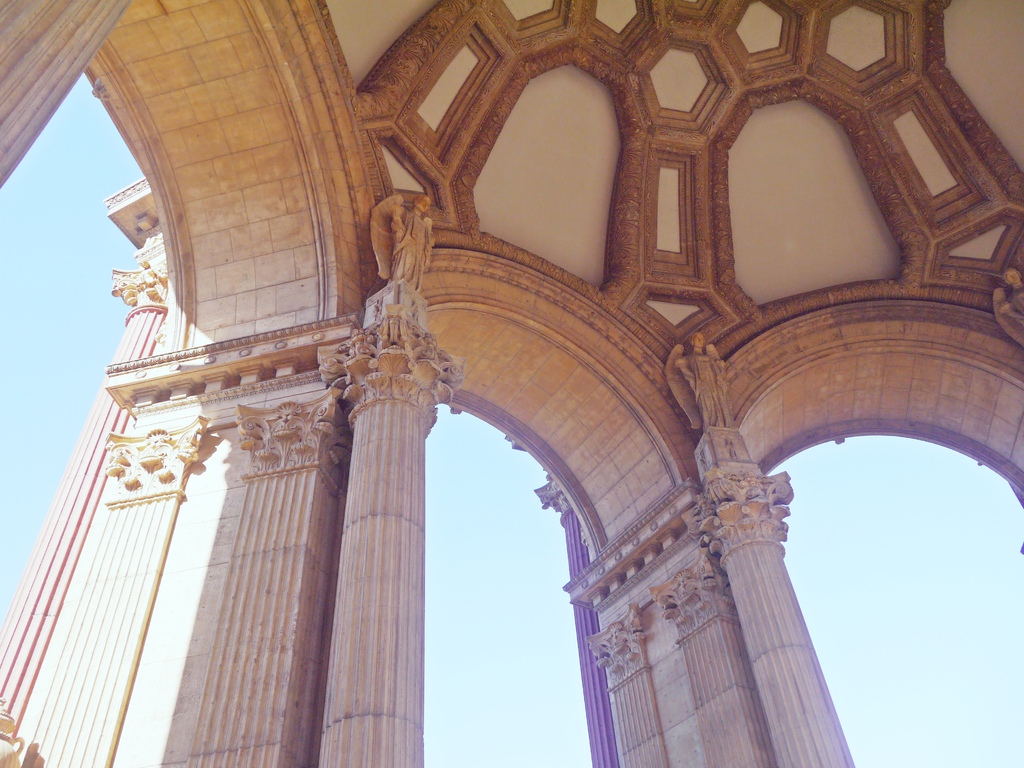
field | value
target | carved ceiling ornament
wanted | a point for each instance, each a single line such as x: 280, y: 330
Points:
x: 153, y: 465
x: 393, y: 359
x: 695, y: 595
x: 742, y: 508
x: 621, y: 648
x: 291, y: 436
x: 914, y: 63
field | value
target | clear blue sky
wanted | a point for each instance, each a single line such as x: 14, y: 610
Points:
x: 905, y: 556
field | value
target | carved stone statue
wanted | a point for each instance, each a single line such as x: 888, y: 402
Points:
x: 698, y: 382
x: 402, y: 239
x: 1008, y: 304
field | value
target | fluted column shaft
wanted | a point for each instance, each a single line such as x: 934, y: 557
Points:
x: 29, y: 626
x: 393, y: 375
x: 375, y: 694
x: 743, y: 514
x: 44, y: 47
x: 803, y: 722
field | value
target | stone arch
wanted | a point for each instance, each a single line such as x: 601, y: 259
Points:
x: 241, y: 121
x: 941, y: 374
x: 594, y: 416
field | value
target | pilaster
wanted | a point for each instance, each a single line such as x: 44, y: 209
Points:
x: 104, y: 623
x: 392, y: 375
x: 621, y: 650
x: 261, y: 704
x: 698, y: 601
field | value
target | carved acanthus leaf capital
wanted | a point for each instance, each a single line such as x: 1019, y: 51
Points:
x: 155, y: 464
x: 392, y: 360
x: 621, y: 647
x: 553, y: 496
x: 291, y: 436
x: 145, y: 287
x: 695, y: 596
x: 740, y: 508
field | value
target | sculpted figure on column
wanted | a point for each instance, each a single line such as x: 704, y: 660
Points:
x: 402, y: 239
x: 1008, y: 306
x: 698, y: 382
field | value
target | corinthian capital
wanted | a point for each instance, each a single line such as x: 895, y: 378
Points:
x: 146, y: 287
x: 394, y: 359
x: 695, y: 596
x: 740, y: 508
x: 621, y: 647
x: 291, y: 436
x: 154, y: 465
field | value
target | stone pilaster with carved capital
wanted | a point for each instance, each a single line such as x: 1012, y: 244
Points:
x: 392, y: 375
x: 699, y: 602
x: 743, y: 523
x: 105, y: 620
x: 621, y: 650
x: 269, y: 642
x: 144, y: 290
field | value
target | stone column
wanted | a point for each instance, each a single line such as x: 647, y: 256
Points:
x: 596, y: 701
x: 621, y: 649
x: 743, y: 516
x: 392, y: 375
x: 106, y: 616
x: 729, y: 712
x: 44, y: 47
x: 260, y: 705
x: 26, y: 633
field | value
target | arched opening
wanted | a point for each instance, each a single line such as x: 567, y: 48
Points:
x: 905, y: 558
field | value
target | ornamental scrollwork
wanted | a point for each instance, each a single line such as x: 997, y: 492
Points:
x: 621, y: 648
x: 394, y: 359
x: 696, y: 595
x: 740, y: 508
x: 290, y: 436
x: 155, y: 464
x: 145, y: 287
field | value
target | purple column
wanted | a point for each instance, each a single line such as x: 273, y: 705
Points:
x: 596, y: 700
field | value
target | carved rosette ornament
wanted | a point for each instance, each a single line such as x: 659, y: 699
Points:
x: 741, y: 508
x: 695, y: 596
x: 392, y: 360
x: 621, y: 648
x: 146, y: 287
x: 153, y: 465
x: 291, y: 436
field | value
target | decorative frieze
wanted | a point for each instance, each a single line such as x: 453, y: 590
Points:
x: 394, y: 359
x: 739, y: 508
x: 291, y: 436
x: 695, y: 596
x: 152, y: 465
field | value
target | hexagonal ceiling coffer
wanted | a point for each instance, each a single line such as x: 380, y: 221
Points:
x: 856, y: 37
x: 524, y: 9
x: 679, y: 79
x: 760, y: 29
x: 615, y: 14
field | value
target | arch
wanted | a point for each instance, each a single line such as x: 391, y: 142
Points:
x: 237, y: 113
x: 942, y: 374
x: 594, y: 415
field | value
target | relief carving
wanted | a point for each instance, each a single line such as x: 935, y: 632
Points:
x: 621, y: 648
x: 695, y: 596
x: 291, y: 436
x: 146, y: 287
x: 155, y: 464
x: 740, y: 508
x: 392, y: 360
x: 552, y: 496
